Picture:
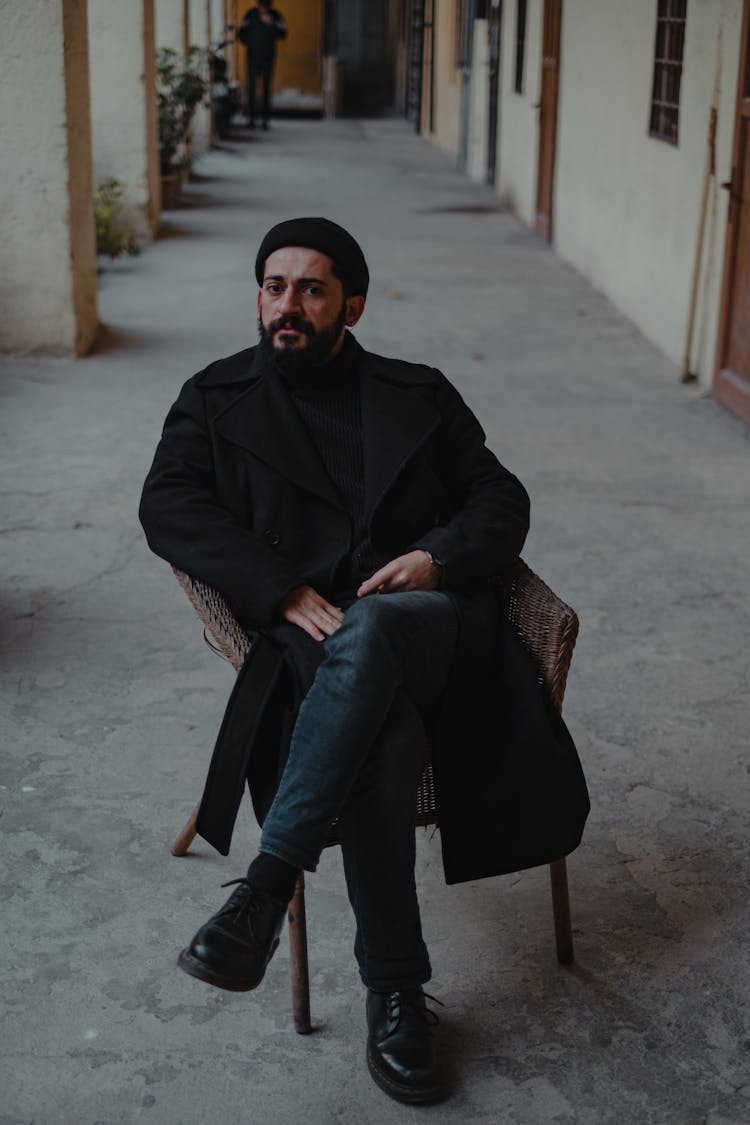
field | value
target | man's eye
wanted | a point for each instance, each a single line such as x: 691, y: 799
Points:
x: 273, y: 289
x: 313, y: 290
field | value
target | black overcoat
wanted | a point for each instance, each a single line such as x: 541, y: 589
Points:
x: 238, y: 497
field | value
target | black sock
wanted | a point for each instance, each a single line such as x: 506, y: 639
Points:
x: 273, y: 876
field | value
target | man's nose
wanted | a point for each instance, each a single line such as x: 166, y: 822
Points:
x: 289, y: 301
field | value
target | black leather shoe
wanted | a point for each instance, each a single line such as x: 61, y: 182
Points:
x: 401, y: 1052
x: 234, y: 947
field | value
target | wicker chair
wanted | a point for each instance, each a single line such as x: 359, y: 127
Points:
x: 549, y: 628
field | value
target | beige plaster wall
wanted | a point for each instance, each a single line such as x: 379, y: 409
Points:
x: 123, y: 108
x: 446, y: 133
x: 48, y: 249
x: 518, y: 117
x: 627, y: 205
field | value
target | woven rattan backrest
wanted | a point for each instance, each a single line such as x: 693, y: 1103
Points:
x: 221, y: 629
x: 543, y: 621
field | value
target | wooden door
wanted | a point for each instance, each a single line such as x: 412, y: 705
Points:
x: 548, y: 115
x: 732, y: 379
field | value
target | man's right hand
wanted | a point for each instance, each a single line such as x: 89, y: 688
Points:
x: 306, y: 608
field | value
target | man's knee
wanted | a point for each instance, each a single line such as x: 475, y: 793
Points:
x: 365, y: 632
x: 369, y: 618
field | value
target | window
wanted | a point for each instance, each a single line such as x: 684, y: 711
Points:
x: 520, y: 45
x: 665, y: 96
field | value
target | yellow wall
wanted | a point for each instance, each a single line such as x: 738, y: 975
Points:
x: 448, y: 81
x: 299, y: 59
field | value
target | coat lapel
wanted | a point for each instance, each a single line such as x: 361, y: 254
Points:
x: 398, y: 415
x: 263, y: 421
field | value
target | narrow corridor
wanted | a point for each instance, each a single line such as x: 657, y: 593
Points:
x: 111, y: 701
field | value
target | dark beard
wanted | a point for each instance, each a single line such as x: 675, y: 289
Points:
x: 316, y: 351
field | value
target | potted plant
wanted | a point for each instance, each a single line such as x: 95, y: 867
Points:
x: 180, y: 85
x: 111, y: 238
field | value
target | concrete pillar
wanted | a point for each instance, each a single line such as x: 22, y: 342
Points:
x: 199, y: 19
x: 173, y: 24
x: 123, y: 108
x: 217, y: 11
x: 48, y: 244
x: 226, y: 21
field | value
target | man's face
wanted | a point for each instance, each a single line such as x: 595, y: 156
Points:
x: 302, y: 311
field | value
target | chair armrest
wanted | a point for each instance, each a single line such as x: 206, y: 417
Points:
x: 546, y: 624
x: 219, y: 622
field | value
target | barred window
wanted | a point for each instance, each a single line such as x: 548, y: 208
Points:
x: 520, y: 45
x: 463, y: 33
x: 670, y: 42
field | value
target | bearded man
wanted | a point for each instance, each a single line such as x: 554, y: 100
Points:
x: 348, y: 509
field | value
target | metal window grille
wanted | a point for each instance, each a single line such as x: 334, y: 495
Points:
x: 520, y: 45
x: 670, y: 43
x: 463, y: 32
x: 416, y: 49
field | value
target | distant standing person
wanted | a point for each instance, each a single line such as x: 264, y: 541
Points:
x: 260, y: 29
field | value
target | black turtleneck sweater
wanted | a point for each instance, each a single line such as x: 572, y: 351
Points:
x: 327, y: 399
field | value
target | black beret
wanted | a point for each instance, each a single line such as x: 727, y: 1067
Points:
x: 323, y: 235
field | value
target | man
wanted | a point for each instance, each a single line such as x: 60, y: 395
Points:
x: 347, y: 507
x: 260, y: 30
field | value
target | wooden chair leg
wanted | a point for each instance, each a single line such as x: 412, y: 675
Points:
x: 298, y: 959
x: 558, y: 873
x: 188, y: 834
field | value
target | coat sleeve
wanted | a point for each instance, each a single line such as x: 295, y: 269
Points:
x: 489, y: 519
x: 186, y: 524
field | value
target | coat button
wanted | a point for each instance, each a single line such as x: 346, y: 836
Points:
x: 272, y: 537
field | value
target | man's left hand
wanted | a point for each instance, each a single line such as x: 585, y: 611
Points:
x: 415, y: 571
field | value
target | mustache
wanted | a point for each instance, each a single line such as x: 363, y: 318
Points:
x: 291, y: 322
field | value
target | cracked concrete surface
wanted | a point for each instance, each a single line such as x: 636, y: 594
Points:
x: 111, y: 701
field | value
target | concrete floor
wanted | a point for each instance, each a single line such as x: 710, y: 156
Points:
x: 640, y: 519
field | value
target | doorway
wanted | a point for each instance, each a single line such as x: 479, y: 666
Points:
x: 548, y: 115
x: 732, y: 378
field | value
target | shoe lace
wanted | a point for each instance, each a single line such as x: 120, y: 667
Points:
x: 397, y: 1001
x: 244, y: 903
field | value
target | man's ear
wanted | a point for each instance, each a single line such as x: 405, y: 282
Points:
x: 353, y: 309
x: 259, y: 299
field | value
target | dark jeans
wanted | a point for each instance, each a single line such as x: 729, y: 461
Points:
x: 263, y: 69
x: 357, y: 754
